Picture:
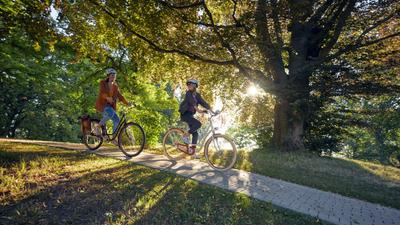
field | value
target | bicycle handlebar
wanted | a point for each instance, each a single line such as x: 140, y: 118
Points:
x: 213, y: 113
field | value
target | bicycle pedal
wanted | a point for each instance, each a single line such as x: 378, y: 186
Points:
x: 191, y: 151
x: 182, y: 147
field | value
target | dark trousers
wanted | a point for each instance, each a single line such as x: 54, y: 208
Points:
x: 193, y: 123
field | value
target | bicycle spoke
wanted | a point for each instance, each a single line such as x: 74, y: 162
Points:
x: 93, y: 139
x: 220, y: 152
x: 131, y: 139
x: 172, y: 139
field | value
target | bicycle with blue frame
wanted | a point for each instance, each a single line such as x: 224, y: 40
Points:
x: 219, y: 149
x: 130, y: 136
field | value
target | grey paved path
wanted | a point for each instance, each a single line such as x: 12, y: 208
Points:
x: 326, y: 206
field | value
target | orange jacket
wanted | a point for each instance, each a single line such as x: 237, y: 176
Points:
x: 105, y: 92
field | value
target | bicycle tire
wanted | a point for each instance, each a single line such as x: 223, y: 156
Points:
x: 169, y: 148
x: 208, y: 156
x: 85, y: 141
x: 121, y: 139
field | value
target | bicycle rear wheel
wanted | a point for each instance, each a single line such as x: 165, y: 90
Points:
x: 171, y: 140
x: 131, y: 139
x: 93, y: 139
x: 220, y: 152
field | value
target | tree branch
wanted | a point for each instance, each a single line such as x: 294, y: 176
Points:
x: 224, y: 43
x: 339, y: 26
x: 239, y: 24
x: 272, y: 59
x: 378, y: 23
x: 159, y: 48
x: 356, y: 46
x: 255, y: 76
x: 258, y: 77
x: 277, y: 25
x: 176, y: 6
x: 200, y: 23
x: 347, y: 49
x: 320, y: 11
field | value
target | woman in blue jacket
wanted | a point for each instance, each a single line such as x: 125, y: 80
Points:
x: 189, y: 107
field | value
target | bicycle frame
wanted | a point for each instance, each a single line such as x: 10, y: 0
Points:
x: 121, y: 123
x: 210, y: 129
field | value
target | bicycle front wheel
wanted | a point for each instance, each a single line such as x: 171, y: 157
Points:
x: 171, y: 140
x: 131, y: 139
x: 93, y: 139
x: 220, y: 152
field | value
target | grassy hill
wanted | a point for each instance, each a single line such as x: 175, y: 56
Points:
x: 46, y: 185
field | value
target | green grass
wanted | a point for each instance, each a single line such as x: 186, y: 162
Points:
x: 362, y: 180
x: 44, y: 185
x: 354, y: 178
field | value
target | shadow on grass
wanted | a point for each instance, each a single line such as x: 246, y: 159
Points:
x: 8, y: 158
x: 92, y: 198
x: 194, y: 203
x: 124, y: 193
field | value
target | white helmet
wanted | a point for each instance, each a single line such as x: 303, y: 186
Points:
x: 111, y: 71
x: 192, y: 81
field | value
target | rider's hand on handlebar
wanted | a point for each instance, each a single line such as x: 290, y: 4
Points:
x: 200, y: 111
x: 109, y: 100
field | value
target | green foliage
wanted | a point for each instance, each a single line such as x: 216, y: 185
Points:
x: 34, y: 84
x: 325, y: 127
x: 100, y: 29
x: 50, y: 67
x: 155, y: 110
x: 356, y: 111
x: 255, y: 119
x: 30, y: 16
x: 244, y: 136
x: 46, y: 89
x: 375, y: 134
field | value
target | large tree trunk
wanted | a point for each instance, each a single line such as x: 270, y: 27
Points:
x: 288, y: 126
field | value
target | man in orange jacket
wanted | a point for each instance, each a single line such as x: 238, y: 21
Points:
x: 106, y: 102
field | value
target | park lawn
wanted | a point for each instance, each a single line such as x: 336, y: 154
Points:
x: 46, y: 185
x: 353, y: 178
x: 367, y: 181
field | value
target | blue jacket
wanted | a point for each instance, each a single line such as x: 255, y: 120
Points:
x: 189, y: 102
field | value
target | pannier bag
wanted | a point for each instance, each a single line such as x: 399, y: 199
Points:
x: 86, y: 126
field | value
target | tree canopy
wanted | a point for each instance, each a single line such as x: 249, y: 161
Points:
x: 327, y: 66
x: 286, y: 47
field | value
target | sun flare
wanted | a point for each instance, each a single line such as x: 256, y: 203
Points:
x: 252, y: 91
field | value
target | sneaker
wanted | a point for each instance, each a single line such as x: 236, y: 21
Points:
x: 186, y: 139
x: 192, y: 150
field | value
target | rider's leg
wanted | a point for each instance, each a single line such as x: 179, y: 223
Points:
x: 106, y: 117
x: 194, y: 125
x: 115, y: 119
x: 109, y: 113
x: 185, y: 118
